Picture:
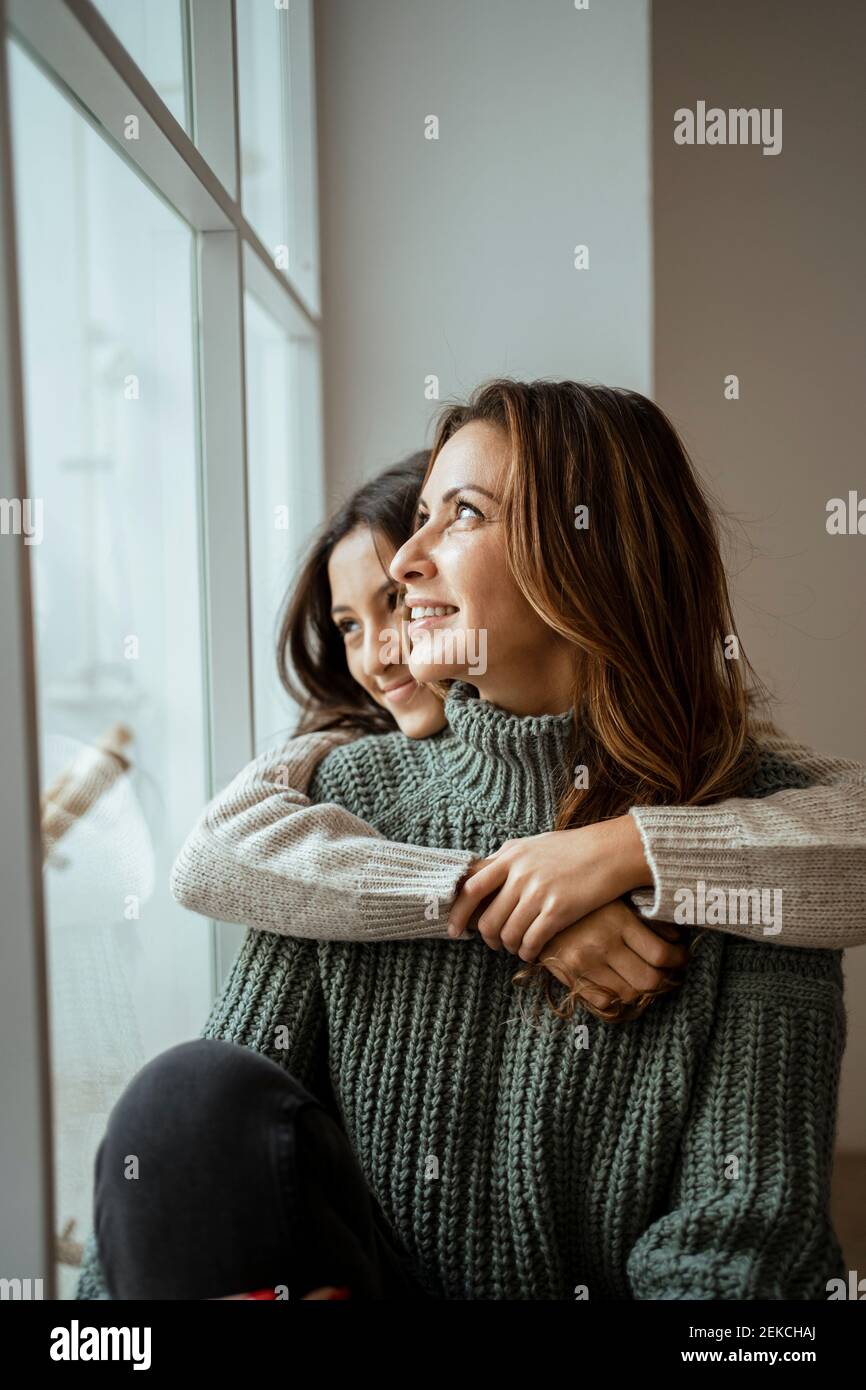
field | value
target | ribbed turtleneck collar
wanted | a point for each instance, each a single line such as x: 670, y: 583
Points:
x: 515, y: 765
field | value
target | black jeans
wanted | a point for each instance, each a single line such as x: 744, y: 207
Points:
x: 219, y: 1173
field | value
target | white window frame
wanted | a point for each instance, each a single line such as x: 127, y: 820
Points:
x: 200, y: 178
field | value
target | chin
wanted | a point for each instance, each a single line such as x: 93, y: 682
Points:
x: 446, y: 653
x: 427, y: 673
x: 422, y: 725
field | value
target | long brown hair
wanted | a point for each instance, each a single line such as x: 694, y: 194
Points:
x: 663, y: 690
x: 311, y: 656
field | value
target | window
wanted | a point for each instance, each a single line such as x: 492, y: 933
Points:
x: 108, y: 352
x: 284, y: 493
x: 263, y: 40
x: 275, y: 95
x: 153, y: 33
x: 169, y: 531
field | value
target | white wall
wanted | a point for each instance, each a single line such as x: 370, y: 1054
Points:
x: 455, y: 257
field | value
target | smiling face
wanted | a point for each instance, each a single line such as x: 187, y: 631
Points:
x: 469, y: 619
x: 363, y: 608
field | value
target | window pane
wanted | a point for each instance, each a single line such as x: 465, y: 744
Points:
x: 262, y: 53
x: 109, y: 370
x: 152, y: 32
x: 284, y: 494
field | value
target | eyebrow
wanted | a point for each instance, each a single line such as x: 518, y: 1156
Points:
x: 346, y: 608
x: 462, y: 487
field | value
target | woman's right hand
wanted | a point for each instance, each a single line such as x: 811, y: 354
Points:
x: 612, y: 954
x: 534, y: 887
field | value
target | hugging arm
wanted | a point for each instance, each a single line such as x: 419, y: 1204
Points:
x: 262, y: 854
x: 808, y: 841
x: 748, y: 1216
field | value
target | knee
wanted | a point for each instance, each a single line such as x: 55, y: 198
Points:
x: 190, y: 1073
x: 192, y: 1134
x: 202, y: 1086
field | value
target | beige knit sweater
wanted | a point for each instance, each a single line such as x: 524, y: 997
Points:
x: 262, y: 855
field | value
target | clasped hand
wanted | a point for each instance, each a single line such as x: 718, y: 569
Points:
x: 557, y: 898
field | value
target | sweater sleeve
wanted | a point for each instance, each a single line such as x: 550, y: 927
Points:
x: 263, y: 854
x: 749, y: 1207
x: 809, y: 841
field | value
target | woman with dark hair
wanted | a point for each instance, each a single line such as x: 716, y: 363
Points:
x: 684, y: 1154
x: 316, y: 651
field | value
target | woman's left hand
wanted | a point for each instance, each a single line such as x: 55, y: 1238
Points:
x: 542, y: 884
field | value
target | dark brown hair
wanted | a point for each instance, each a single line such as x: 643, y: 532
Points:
x: 311, y: 657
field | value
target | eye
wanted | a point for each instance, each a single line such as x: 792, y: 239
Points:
x: 421, y: 518
x: 461, y: 505
x: 347, y: 627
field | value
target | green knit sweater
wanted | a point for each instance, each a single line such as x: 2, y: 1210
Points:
x: 515, y: 1155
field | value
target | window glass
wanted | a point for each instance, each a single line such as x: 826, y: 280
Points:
x: 285, y: 493
x: 152, y: 32
x: 262, y: 58
x: 108, y: 331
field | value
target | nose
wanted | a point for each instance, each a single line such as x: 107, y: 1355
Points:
x: 412, y: 560
x: 375, y: 650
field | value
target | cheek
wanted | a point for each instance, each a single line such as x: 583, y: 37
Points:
x: 493, y: 601
x: 353, y: 661
x: 473, y: 567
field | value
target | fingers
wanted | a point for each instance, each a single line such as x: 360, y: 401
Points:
x: 665, y: 929
x: 494, y: 917
x: 662, y: 955
x: 643, y: 978
x: 598, y: 998
x: 602, y: 987
x: 483, y: 879
x: 611, y: 980
x: 574, y: 968
x: 539, y: 934
x: 515, y: 931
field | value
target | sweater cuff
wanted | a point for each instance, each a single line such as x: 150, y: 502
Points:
x: 411, y: 893
x: 684, y: 845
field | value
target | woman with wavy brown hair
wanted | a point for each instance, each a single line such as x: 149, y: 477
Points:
x: 683, y: 1154
x: 630, y: 577
x: 609, y: 539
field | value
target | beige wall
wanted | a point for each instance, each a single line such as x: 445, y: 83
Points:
x: 760, y: 270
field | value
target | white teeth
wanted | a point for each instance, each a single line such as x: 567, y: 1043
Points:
x: 432, y: 612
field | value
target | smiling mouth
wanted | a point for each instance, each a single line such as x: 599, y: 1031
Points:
x: 442, y: 610
x: 428, y: 615
x: 399, y: 694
